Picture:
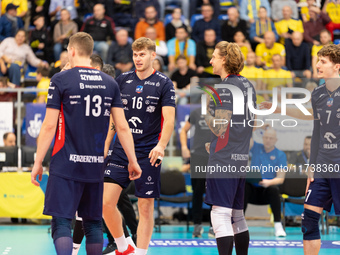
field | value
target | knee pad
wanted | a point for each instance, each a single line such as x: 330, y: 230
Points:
x: 221, y: 221
x: 93, y: 231
x: 310, y: 225
x: 238, y: 221
x: 61, y: 227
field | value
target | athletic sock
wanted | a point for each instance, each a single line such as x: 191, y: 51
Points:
x: 76, y: 247
x: 139, y: 251
x: 242, y: 243
x: 225, y: 245
x: 130, y: 241
x: 122, y: 245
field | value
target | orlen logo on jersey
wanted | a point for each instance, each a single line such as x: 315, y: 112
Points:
x: 139, y: 89
x: 135, y: 120
x: 329, y: 136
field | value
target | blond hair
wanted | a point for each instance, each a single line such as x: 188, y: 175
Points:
x: 234, y: 59
x: 143, y: 43
x: 83, y: 42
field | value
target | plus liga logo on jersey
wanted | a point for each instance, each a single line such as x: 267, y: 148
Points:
x: 139, y: 89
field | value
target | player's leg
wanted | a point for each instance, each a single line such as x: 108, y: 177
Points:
x: 112, y: 216
x: 318, y: 197
x: 61, y: 234
x: 310, y: 229
x: 146, y: 224
x: 78, y: 235
x: 240, y: 227
x: 94, y: 236
x: 221, y: 222
x: 125, y: 207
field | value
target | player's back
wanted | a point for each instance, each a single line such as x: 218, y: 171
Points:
x: 84, y: 97
x: 233, y: 147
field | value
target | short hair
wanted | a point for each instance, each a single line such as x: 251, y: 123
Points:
x: 43, y: 71
x: 325, y: 31
x: 332, y: 51
x: 37, y: 17
x: 110, y: 70
x: 96, y: 60
x: 83, y: 42
x: 6, y: 135
x: 263, y: 7
x: 209, y: 5
x: 277, y: 55
x: 308, y: 137
x: 184, y: 27
x: 143, y: 43
x: 181, y: 56
x: 234, y: 59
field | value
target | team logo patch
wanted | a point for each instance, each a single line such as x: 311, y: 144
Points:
x: 149, y: 178
x: 150, y: 108
x: 330, y: 102
x: 125, y: 101
x: 139, y: 89
x: 272, y: 157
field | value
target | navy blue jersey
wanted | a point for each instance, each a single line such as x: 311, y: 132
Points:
x: 84, y: 97
x: 143, y: 101
x: 327, y: 109
x: 232, y: 149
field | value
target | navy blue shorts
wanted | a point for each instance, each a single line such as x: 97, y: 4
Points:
x: 64, y: 197
x: 323, y: 193
x: 147, y: 186
x: 226, y: 192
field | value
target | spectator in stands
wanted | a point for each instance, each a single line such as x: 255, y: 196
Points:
x: 181, y: 78
x: 150, y: 20
x: 277, y: 9
x: 181, y: 44
x: 43, y: 83
x: 233, y: 24
x: 15, y: 52
x: 59, y: 65
x: 265, y: 51
x: 120, y: 53
x: 206, y: 22
x: 261, y: 25
x: 301, y: 158
x: 158, y: 64
x: 9, y: 139
x: 63, y: 30
x: 312, y: 28
x: 55, y: 11
x: 21, y: 5
x: 250, y: 8
x: 141, y: 6
x: 99, y: 27
x: 332, y: 8
x: 325, y: 39
x: 161, y: 49
x: 204, y: 51
x: 40, y: 8
x: 287, y: 25
x: 298, y: 56
x: 39, y: 38
x: 10, y: 23
x: 6, y: 96
x: 194, y: 4
x: 242, y: 42
x: 120, y: 12
x: 170, y: 28
x: 277, y: 77
x: 267, y: 191
x: 254, y: 75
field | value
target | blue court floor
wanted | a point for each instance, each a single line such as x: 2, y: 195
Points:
x: 20, y: 240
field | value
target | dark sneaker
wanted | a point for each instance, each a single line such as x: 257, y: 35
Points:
x: 110, y: 249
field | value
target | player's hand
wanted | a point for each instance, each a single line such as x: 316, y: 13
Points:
x: 156, y: 153
x: 135, y: 171
x: 207, y: 147
x: 36, y: 171
x: 265, y: 183
x: 185, y: 152
x: 66, y: 67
